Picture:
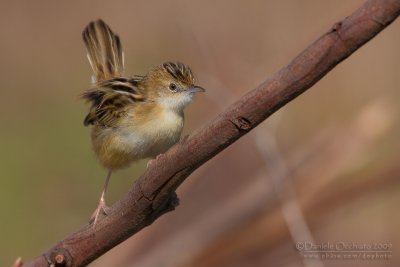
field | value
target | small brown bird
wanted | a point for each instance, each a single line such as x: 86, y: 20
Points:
x: 133, y: 118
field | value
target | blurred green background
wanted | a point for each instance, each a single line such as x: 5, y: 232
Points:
x: 340, y: 140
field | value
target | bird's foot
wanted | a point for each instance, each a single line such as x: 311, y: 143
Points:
x: 149, y: 163
x: 183, y: 139
x: 152, y: 160
x: 101, y: 208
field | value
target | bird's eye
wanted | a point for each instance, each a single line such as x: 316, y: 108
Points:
x: 172, y: 87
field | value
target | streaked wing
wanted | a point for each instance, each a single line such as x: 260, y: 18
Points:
x: 111, y: 100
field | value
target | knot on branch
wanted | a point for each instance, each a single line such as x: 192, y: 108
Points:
x: 59, y: 258
x: 241, y: 123
x: 164, y: 206
x: 337, y: 26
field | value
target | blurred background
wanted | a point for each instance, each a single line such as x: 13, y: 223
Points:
x: 325, y: 168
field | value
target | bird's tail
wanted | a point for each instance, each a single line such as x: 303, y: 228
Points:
x: 104, y: 51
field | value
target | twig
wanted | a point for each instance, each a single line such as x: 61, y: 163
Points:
x: 292, y: 212
x: 317, y: 159
x: 154, y: 193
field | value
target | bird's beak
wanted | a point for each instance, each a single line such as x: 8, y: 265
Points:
x: 196, y: 89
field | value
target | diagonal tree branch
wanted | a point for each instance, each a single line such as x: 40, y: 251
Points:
x: 154, y: 193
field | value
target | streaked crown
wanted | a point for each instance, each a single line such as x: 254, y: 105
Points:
x: 179, y: 72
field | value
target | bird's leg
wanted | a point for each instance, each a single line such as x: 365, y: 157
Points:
x: 102, y: 207
x: 18, y: 262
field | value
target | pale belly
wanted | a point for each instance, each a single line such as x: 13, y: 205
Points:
x: 118, y: 147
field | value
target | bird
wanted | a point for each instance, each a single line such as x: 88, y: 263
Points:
x: 132, y: 117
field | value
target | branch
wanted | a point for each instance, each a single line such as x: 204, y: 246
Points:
x: 154, y: 193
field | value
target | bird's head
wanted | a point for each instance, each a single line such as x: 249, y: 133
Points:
x: 171, y: 85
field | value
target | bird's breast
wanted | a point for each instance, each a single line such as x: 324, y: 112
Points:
x: 153, y: 136
x: 141, y: 136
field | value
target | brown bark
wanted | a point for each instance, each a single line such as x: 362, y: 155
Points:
x: 154, y: 193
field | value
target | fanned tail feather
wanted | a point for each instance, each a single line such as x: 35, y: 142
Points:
x: 104, y: 49
x: 110, y: 95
